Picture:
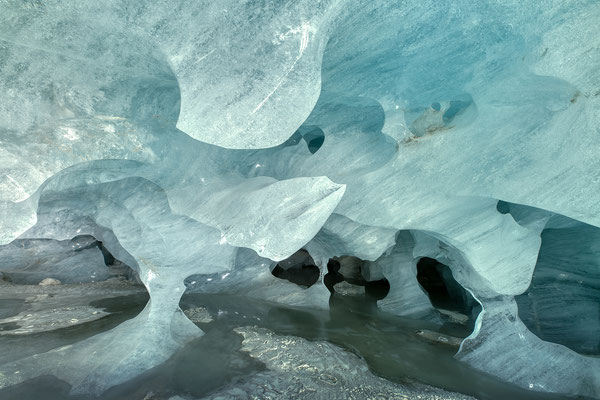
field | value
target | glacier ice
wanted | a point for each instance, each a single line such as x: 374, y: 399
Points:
x: 200, y: 144
x: 567, y: 264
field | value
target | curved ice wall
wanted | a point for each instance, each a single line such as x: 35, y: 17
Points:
x: 177, y: 133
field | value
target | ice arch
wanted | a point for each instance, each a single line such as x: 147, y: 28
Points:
x: 429, y: 113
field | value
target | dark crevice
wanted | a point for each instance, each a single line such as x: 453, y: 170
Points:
x: 333, y: 275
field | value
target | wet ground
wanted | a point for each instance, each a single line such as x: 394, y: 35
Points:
x: 393, y: 348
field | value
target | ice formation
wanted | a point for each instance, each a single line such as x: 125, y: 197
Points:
x: 216, y: 139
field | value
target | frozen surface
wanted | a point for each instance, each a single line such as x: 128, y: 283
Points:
x: 204, y: 142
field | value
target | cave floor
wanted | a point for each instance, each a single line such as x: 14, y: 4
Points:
x: 250, y: 348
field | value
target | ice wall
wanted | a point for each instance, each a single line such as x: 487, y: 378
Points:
x: 181, y: 135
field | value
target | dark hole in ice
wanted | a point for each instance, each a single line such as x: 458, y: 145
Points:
x: 443, y: 290
x: 305, y: 275
x: 315, y: 144
x: 109, y: 259
x: 436, y: 106
x: 347, y: 271
x: 377, y: 290
x: 333, y: 275
x: 299, y: 268
x: 344, y: 276
x: 313, y: 136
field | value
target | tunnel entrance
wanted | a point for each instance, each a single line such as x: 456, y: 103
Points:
x: 299, y: 268
x: 377, y: 290
x: 445, y: 293
x: 345, y: 277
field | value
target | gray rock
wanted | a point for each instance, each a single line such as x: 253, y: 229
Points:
x: 49, y: 281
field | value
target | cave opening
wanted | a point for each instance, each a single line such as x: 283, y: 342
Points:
x: 444, y: 292
x: 299, y: 268
x: 345, y: 277
x: 377, y: 290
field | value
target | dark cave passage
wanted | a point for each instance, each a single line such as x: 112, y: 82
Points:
x: 344, y: 277
x: 443, y: 290
x: 377, y: 290
x: 299, y: 268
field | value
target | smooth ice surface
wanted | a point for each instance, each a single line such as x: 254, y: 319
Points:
x: 204, y: 142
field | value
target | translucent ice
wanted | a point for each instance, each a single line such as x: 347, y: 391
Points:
x: 214, y: 139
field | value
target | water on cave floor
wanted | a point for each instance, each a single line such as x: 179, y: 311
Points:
x: 389, y: 345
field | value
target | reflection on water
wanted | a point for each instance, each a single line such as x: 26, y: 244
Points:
x: 389, y: 345
x: 121, y: 308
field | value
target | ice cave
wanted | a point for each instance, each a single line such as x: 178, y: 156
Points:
x: 299, y: 199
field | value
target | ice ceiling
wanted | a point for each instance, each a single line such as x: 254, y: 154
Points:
x: 183, y: 134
